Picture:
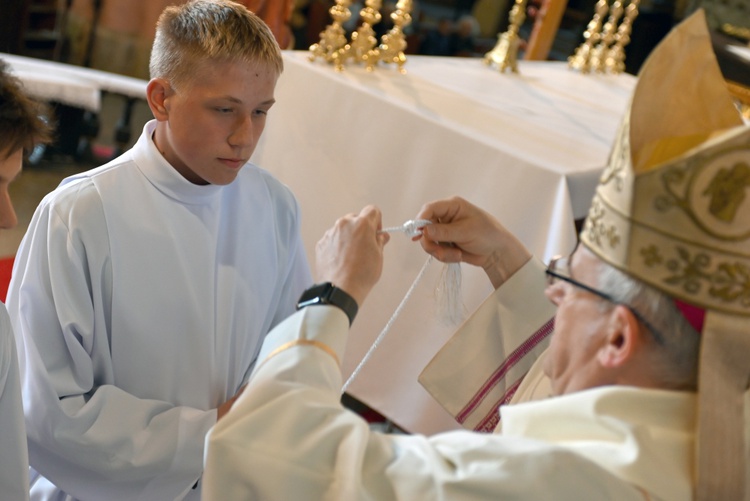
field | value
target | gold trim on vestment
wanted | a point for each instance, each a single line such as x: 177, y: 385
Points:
x: 304, y: 342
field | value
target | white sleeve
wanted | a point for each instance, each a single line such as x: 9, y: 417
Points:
x: 14, y: 460
x: 298, y: 277
x: 288, y: 437
x: 86, y: 435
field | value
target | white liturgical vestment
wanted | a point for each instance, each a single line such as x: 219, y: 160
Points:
x: 14, y: 459
x: 288, y: 437
x: 139, y: 302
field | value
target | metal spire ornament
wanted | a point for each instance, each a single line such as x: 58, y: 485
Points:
x: 615, y: 62
x: 362, y: 47
x: 393, y: 43
x: 505, y: 53
x: 333, y: 38
x: 581, y: 60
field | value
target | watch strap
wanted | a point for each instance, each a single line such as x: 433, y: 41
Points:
x: 327, y: 293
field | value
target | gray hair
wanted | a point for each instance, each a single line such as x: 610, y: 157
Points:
x: 675, y: 362
x: 203, y: 30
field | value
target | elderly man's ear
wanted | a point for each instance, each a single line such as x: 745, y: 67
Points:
x: 623, y: 339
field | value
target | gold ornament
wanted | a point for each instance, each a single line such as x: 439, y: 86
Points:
x: 581, y: 60
x: 505, y: 52
x: 333, y: 38
x: 393, y: 43
x: 607, y: 37
x: 615, y: 61
x: 603, y: 48
x: 362, y: 47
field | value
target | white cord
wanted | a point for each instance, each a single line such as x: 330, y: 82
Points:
x: 412, y: 228
x: 387, y: 325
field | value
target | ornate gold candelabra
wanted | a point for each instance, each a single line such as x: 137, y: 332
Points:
x: 334, y: 48
x: 333, y: 38
x: 361, y: 48
x: 505, y: 53
x: 603, y: 49
x: 615, y: 62
x: 393, y: 43
x: 581, y: 60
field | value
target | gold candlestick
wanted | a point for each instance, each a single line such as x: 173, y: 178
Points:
x: 615, y: 61
x: 393, y: 43
x: 363, y: 40
x: 581, y: 60
x: 333, y: 38
x: 607, y: 37
x: 505, y: 52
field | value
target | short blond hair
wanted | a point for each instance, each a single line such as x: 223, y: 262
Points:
x: 209, y: 30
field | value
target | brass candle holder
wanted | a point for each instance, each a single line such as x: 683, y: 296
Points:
x: 505, y: 53
x: 333, y: 38
x: 601, y: 50
x: 581, y: 59
x: 393, y: 43
x: 615, y: 61
x: 334, y: 47
x: 361, y: 48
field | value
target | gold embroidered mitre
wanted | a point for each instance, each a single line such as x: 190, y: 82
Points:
x: 673, y: 210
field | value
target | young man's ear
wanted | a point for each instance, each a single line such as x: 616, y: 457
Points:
x: 623, y: 338
x: 157, y: 92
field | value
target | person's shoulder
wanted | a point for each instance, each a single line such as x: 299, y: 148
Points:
x: 80, y: 190
x: 109, y: 168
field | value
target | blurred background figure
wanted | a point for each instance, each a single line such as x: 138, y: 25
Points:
x: 463, y: 39
x: 437, y: 41
x: 277, y: 14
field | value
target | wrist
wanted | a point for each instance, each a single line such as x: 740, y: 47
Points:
x: 328, y: 294
x: 499, y: 266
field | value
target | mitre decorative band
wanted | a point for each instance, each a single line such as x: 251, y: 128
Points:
x: 684, y: 227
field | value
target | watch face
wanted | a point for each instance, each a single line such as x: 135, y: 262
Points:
x: 317, y: 294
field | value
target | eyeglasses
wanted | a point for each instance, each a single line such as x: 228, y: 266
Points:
x: 555, y: 271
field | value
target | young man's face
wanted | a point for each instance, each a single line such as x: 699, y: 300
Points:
x: 580, y: 326
x: 10, y: 167
x: 211, y: 125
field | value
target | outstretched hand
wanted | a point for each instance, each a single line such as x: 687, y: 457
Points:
x: 462, y: 232
x: 350, y: 254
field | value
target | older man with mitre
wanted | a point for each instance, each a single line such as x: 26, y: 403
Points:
x: 666, y: 234
x: 670, y: 211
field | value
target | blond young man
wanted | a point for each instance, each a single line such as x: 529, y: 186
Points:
x: 143, y: 288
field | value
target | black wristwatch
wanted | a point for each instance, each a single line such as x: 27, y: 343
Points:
x: 327, y: 293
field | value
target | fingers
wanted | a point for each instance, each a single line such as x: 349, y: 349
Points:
x: 442, y: 211
x: 350, y: 254
x: 442, y: 251
x: 451, y: 220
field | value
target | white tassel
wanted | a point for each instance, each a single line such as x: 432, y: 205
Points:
x: 448, y: 298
